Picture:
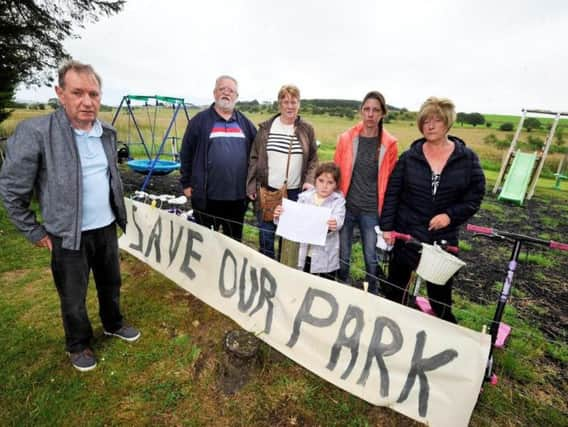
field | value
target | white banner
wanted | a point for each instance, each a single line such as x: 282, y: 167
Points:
x: 380, y: 351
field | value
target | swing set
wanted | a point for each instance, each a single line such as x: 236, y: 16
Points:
x: 154, y: 146
x: 562, y: 172
x: 522, y: 170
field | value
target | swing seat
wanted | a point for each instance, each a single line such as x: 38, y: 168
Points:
x: 161, y: 167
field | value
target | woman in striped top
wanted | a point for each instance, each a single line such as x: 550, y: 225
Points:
x: 284, y: 151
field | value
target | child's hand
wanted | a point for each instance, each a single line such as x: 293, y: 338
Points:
x: 332, y: 224
x: 307, y: 186
x: 278, y: 211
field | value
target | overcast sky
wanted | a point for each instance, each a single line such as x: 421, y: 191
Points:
x: 493, y: 56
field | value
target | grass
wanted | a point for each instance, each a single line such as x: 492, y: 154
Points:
x: 171, y: 375
x: 539, y: 259
x: 521, y: 369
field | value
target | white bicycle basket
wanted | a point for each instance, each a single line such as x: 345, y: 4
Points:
x: 436, y: 265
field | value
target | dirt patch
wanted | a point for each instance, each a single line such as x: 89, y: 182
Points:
x: 540, y: 292
x: 159, y: 184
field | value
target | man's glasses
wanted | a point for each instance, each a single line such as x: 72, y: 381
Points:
x: 226, y: 89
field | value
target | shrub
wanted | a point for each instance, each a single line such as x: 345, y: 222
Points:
x: 532, y: 123
x: 475, y: 119
x: 535, y: 142
x: 559, y: 135
x: 493, y: 140
x: 490, y: 139
x: 507, y: 126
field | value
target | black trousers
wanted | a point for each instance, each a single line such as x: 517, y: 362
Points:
x: 440, y: 296
x: 98, y: 253
x: 226, y: 214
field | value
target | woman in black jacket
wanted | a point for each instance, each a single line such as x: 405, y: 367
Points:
x: 436, y: 186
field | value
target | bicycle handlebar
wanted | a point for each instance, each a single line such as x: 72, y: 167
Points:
x: 480, y: 230
x: 558, y: 245
x: 451, y: 248
x: 401, y: 236
x: 491, y: 232
x: 407, y: 238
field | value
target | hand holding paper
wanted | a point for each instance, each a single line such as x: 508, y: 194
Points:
x: 303, y: 223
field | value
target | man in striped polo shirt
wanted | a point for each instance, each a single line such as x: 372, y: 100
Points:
x: 214, y: 161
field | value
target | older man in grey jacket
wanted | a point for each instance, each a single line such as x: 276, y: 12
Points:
x: 69, y: 159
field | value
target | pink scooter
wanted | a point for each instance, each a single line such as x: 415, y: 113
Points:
x: 499, y: 334
x: 498, y: 330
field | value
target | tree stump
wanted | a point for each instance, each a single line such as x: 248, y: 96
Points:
x: 241, y: 350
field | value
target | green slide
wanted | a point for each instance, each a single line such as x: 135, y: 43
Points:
x: 519, y: 177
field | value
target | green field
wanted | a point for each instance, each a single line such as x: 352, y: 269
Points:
x: 327, y: 128
x: 497, y: 119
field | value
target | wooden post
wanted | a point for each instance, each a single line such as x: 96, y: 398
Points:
x: 509, y: 155
x: 289, y: 253
x: 543, y: 155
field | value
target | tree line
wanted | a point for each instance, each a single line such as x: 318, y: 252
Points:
x: 333, y: 107
x: 31, y: 39
x: 350, y: 110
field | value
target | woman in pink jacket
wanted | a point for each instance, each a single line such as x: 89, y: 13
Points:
x: 366, y: 155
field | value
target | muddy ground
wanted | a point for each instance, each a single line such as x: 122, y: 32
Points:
x: 540, y: 292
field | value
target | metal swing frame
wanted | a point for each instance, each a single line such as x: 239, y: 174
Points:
x: 153, y: 157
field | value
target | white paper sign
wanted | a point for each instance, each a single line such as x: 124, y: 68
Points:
x: 303, y: 223
x: 380, y: 351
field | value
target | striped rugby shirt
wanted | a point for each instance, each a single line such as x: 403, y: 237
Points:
x: 227, y: 161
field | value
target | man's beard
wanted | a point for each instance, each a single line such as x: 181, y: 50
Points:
x: 225, y: 105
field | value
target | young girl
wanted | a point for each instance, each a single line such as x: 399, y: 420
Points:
x: 323, y: 260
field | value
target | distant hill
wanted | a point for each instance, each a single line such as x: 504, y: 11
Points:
x: 333, y: 103
x: 334, y: 107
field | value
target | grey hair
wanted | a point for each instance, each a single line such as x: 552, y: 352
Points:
x: 78, y: 67
x: 226, y: 76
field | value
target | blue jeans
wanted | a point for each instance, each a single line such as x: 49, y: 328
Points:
x: 366, y: 223
x: 266, y: 230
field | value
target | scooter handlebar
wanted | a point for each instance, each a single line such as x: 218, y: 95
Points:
x: 491, y: 232
x: 409, y: 239
x: 452, y: 249
x: 401, y: 236
x: 479, y: 229
x: 558, y: 245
